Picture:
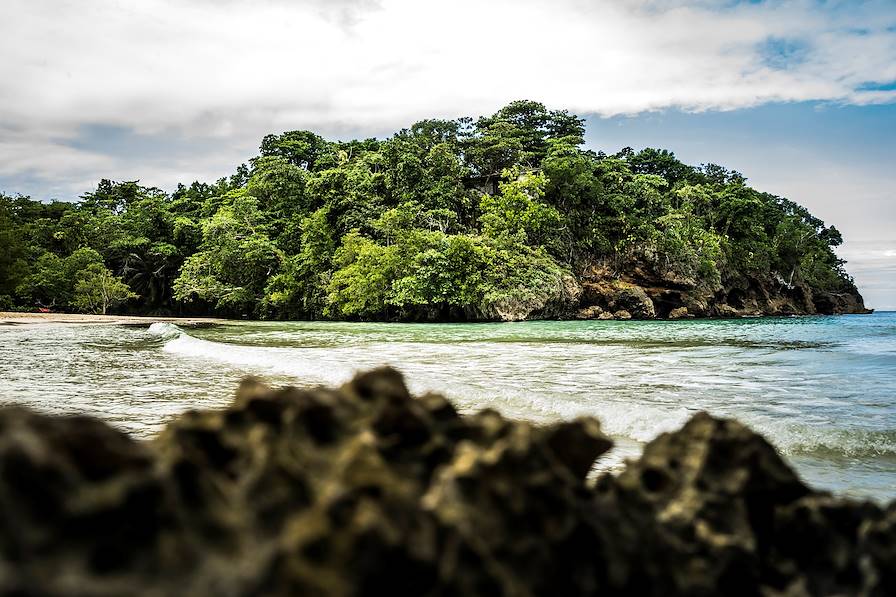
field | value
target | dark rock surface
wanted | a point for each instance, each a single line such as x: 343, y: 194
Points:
x: 642, y: 293
x: 366, y: 490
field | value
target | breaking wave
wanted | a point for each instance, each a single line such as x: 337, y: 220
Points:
x: 446, y: 368
x: 292, y: 362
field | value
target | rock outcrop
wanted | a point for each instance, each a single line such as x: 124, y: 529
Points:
x: 366, y: 490
x: 616, y: 297
x: 642, y: 293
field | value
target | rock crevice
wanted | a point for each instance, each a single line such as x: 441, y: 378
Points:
x: 641, y: 293
x: 366, y: 490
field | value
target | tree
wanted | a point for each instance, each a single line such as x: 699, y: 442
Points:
x: 97, y: 290
x: 361, y: 285
x: 517, y: 211
x: 464, y: 218
x: 279, y: 186
x: 235, y: 260
x: 299, y: 148
x: 13, y: 266
x: 519, y: 134
x: 660, y: 162
x: 300, y: 288
x: 52, y: 280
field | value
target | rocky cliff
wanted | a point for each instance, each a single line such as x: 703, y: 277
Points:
x: 366, y: 490
x: 641, y: 292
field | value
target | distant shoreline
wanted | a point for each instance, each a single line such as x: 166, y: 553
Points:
x: 14, y: 318
x: 17, y: 318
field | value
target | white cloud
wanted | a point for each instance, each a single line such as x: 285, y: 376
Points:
x: 873, y: 265
x: 236, y: 70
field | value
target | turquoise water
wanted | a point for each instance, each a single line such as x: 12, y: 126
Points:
x: 822, y: 389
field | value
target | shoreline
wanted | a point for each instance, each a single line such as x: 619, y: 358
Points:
x: 14, y: 318
x: 23, y: 318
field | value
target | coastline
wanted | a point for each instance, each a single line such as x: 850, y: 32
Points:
x: 22, y: 318
x: 14, y: 318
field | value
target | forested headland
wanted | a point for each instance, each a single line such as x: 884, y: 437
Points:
x: 503, y: 217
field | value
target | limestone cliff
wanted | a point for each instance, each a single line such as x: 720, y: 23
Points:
x: 638, y: 291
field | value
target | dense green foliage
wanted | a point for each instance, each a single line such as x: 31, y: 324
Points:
x: 447, y: 219
x: 98, y: 289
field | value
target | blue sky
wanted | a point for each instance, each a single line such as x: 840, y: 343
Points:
x: 798, y: 95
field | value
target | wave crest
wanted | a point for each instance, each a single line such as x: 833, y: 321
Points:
x: 292, y: 362
x: 164, y: 330
x: 845, y: 443
x: 632, y: 419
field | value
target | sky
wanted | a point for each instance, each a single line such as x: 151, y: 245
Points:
x: 799, y: 96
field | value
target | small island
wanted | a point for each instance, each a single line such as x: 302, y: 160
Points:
x: 501, y: 218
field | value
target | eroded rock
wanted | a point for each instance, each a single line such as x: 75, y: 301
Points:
x: 679, y: 313
x: 616, y: 296
x: 645, y: 292
x: 366, y: 490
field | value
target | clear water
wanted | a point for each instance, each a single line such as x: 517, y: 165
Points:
x: 822, y: 389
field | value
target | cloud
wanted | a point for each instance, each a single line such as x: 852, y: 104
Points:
x: 225, y: 73
x: 873, y: 265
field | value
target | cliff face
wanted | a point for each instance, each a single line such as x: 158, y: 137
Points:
x: 640, y: 292
x: 366, y: 490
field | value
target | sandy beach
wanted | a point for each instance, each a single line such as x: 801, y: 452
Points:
x: 13, y: 318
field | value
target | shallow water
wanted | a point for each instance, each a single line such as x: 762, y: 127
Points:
x: 822, y: 389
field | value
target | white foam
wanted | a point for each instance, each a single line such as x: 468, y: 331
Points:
x: 442, y: 368
x: 797, y: 438
x: 293, y: 362
x: 164, y: 330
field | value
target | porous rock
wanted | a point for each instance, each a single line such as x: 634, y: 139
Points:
x: 366, y: 490
x: 679, y: 312
x: 616, y: 296
x: 646, y: 292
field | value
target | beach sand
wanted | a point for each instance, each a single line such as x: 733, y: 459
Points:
x: 13, y: 318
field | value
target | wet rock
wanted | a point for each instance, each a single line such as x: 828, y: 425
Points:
x: 698, y: 307
x: 828, y: 303
x: 551, y: 301
x: 647, y: 293
x: 614, y: 296
x: 724, y: 310
x: 367, y: 490
x: 835, y: 566
x: 679, y: 313
x: 590, y: 312
x: 704, y: 501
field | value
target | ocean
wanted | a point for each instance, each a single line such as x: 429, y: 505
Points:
x: 821, y: 389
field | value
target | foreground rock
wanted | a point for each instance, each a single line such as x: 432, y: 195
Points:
x: 366, y: 490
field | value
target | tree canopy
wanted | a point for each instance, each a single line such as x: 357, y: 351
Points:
x: 447, y: 219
